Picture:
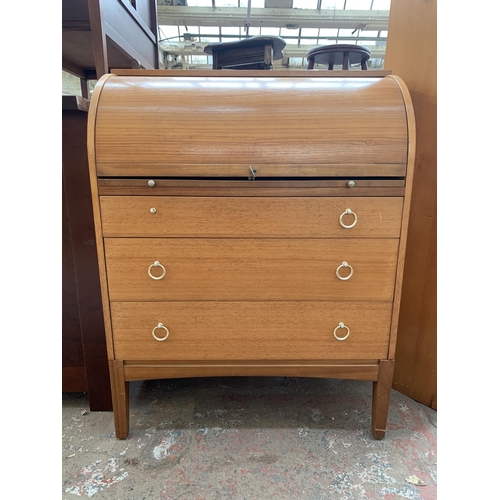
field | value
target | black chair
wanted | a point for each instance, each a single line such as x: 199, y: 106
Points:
x: 257, y: 52
x: 339, y: 54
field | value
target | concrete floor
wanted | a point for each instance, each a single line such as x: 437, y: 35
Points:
x: 249, y: 439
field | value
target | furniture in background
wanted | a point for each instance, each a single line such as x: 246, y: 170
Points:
x: 101, y: 34
x: 84, y: 359
x: 257, y: 52
x: 245, y: 253
x: 96, y: 35
x: 338, y: 54
x: 411, y: 53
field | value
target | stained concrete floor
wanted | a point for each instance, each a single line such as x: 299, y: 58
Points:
x: 249, y: 438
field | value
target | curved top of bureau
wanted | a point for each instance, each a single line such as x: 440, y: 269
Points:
x: 214, y: 126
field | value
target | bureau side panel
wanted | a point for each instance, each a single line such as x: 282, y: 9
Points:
x: 405, y: 213
x: 96, y: 208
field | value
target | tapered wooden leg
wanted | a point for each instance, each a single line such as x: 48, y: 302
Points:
x: 381, y: 397
x: 119, y: 394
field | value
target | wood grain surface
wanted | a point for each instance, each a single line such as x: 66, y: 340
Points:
x: 382, y: 397
x: 83, y: 339
x: 405, y: 214
x: 264, y: 171
x: 411, y: 54
x: 250, y: 330
x: 250, y: 285
x: 348, y: 369
x: 96, y: 209
x: 250, y: 269
x: 260, y: 188
x: 243, y: 217
x: 184, y: 122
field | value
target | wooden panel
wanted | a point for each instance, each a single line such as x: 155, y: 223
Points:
x: 73, y: 361
x: 242, y: 170
x: 405, y: 216
x: 124, y: 22
x: 77, y: 48
x: 261, y: 185
x: 74, y: 379
x: 412, y: 38
x: 97, y: 216
x: 74, y: 10
x: 184, y: 187
x: 349, y: 369
x: 80, y: 242
x: 250, y: 269
x: 250, y: 330
x: 244, y: 217
x: 146, y: 9
x: 411, y: 54
x: 148, y: 125
x: 98, y: 32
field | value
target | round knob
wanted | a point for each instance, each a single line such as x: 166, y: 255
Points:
x: 151, y: 183
x: 156, y: 264
x: 341, y: 325
x: 160, y: 326
x: 348, y: 212
x: 152, y: 210
x: 344, y: 264
x: 351, y: 184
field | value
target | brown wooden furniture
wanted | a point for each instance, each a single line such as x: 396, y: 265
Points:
x: 269, y: 242
x: 101, y: 34
x: 84, y: 359
x: 338, y: 54
x: 96, y: 35
x: 257, y: 52
x: 411, y: 52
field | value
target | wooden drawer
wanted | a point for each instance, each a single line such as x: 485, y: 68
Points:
x: 250, y: 269
x: 297, y: 217
x: 250, y: 330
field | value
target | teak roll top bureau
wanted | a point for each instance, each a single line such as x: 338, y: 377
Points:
x: 251, y: 224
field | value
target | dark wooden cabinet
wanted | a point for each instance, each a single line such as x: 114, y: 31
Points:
x: 84, y: 358
x: 98, y: 35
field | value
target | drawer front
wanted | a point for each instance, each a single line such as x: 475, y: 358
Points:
x: 250, y: 269
x: 250, y: 330
x: 297, y: 217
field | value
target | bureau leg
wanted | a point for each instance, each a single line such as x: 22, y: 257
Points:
x: 381, y: 397
x: 119, y: 393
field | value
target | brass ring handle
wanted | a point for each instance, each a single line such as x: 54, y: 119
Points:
x: 344, y: 264
x: 160, y: 325
x: 156, y: 264
x: 348, y: 211
x: 341, y: 325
